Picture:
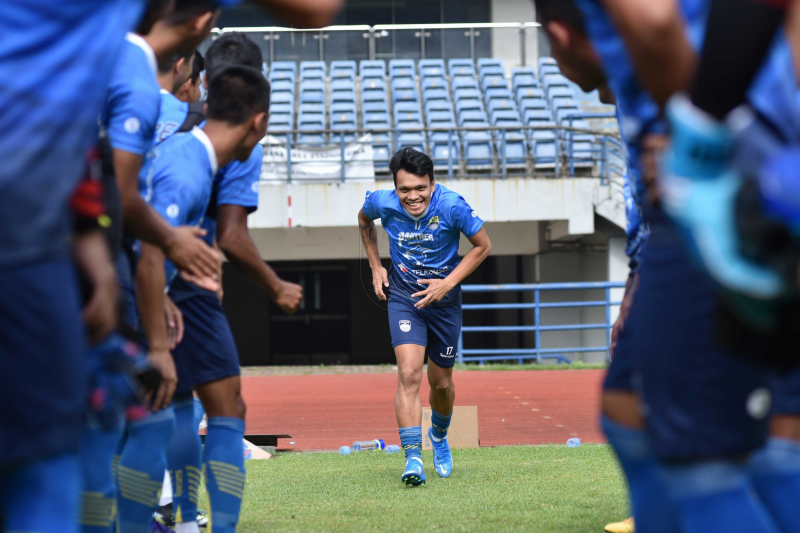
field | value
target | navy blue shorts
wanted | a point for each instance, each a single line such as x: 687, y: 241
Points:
x: 42, y: 356
x: 786, y: 393
x: 207, y: 352
x: 700, y: 401
x: 436, y: 328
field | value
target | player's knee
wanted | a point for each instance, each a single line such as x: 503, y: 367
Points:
x: 442, y: 385
x: 409, y: 377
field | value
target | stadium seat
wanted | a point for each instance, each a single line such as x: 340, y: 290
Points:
x: 526, y: 92
x: 432, y: 106
x: 462, y: 93
x: 377, y: 106
x: 497, y: 93
x: 312, y: 70
x: 283, y: 66
x: 501, y: 104
x: 533, y: 117
x: 493, y: 81
x: 547, y: 70
x: 546, y: 61
x: 524, y: 80
x: 445, y: 146
x: 343, y: 97
x: 491, y: 70
x: 312, y: 91
x: 401, y: 68
x: 404, y: 89
x: 312, y: 108
x: 343, y: 121
x: 463, y: 82
x: 431, y: 67
x: 280, y: 122
x: 343, y: 107
x: 376, y: 67
x: 374, y: 95
x: 435, y: 94
x: 279, y: 109
x: 434, y: 82
x: 288, y: 75
x: 343, y: 70
x: 282, y: 98
x: 544, y: 148
x: 306, y: 122
x: 523, y: 71
x: 554, y: 80
x: 489, y: 62
x: 469, y: 105
x: 407, y: 107
x: 460, y: 65
x: 281, y: 85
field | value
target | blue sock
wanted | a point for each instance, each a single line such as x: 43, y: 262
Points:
x: 411, y: 441
x: 41, y: 496
x: 716, y: 496
x: 199, y: 412
x: 439, y: 425
x: 223, y: 467
x: 140, y: 472
x: 651, y: 508
x: 183, y: 458
x: 95, y: 454
x: 776, y: 478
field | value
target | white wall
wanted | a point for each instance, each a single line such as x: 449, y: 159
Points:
x: 506, y: 42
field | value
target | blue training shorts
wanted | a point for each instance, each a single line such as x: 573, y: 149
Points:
x: 42, y: 355
x: 207, y: 352
x: 436, y: 328
x: 701, y: 401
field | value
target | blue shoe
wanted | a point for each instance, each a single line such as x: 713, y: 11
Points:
x: 413, y: 474
x: 442, y: 460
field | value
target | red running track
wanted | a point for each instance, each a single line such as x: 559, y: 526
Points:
x: 324, y: 412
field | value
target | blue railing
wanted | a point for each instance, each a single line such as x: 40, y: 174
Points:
x: 481, y: 355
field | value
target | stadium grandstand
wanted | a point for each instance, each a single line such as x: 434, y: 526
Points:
x: 539, y: 159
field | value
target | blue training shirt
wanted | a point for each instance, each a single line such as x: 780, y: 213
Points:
x: 425, y: 247
x: 172, y: 114
x: 55, y: 61
x: 183, y: 173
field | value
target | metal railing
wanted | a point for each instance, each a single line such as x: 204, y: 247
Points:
x: 537, y: 352
x: 386, y: 41
x: 596, y: 158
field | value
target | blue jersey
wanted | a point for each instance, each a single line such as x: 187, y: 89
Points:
x: 183, y: 173
x: 171, y: 116
x: 55, y: 62
x: 424, y: 247
x: 133, y: 102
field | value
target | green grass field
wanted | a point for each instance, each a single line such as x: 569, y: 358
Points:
x: 521, y: 488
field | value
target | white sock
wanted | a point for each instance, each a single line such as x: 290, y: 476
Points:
x: 166, y: 491
x: 187, y: 527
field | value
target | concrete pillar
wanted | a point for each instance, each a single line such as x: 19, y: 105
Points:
x: 506, y: 42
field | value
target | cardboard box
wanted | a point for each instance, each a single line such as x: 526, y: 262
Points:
x: 463, y: 432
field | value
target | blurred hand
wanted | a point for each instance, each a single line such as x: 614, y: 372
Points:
x: 191, y: 254
x: 289, y: 297
x: 380, y: 279
x: 163, y: 362
x: 437, y: 289
x: 174, y: 319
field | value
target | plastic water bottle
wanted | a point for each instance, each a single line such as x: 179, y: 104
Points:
x: 366, y: 445
x: 248, y: 453
x: 393, y: 448
x: 344, y: 450
x: 573, y: 443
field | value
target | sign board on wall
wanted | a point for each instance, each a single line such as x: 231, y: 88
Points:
x: 317, y: 162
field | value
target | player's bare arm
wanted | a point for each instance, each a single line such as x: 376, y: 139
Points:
x: 150, y: 283
x: 654, y: 32
x: 181, y: 244
x: 438, y: 288
x: 369, y: 237
x: 235, y: 242
x: 91, y: 255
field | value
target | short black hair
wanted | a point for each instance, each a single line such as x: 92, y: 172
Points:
x: 186, y: 10
x: 155, y: 10
x: 560, y: 11
x: 413, y: 161
x: 234, y: 48
x: 198, y: 66
x: 236, y: 93
x: 165, y: 66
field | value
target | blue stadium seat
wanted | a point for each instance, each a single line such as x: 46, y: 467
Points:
x: 435, y: 94
x: 281, y: 85
x: 497, y: 93
x: 283, y: 66
x: 312, y: 108
x: 343, y: 97
x: 563, y: 114
x: 407, y: 107
x: 544, y: 148
x: 378, y: 106
x: 342, y: 84
x: 546, y: 70
x: 524, y: 80
x: 558, y: 91
x: 374, y: 95
x: 467, y: 92
x: 523, y: 71
x: 489, y: 62
x: 434, y: 82
x: 404, y: 89
x: 431, y: 67
x: 527, y: 92
x: 312, y: 91
x: 412, y: 139
x: 445, y: 146
x: 343, y: 107
x: 491, y: 70
x: 343, y: 70
x: 310, y: 123
x: 493, y: 80
x: 546, y: 61
x: 461, y: 65
x: 401, y: 68
x: 376, y: 65
x: 275, y: 75
x: 278, y: 109
x: 464, y: 83
x: 511, y: 143
x: 469, y: 105
x: 280, y: 122
x: 282, y: 98
x: 501, y: 104
x: 432, y: 106
x: 343, y: 121
x: 533, y: 117
x: 312, y: 70
x: 554, y: 80
x: 471, y: 117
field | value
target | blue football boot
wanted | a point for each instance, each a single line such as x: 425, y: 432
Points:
x: 442, y: 459
x: 413, y: 474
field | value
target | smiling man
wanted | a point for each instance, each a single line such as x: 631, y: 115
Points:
x: 424, y: 222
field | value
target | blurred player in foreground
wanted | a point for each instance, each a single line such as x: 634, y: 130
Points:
x: 424, y: 222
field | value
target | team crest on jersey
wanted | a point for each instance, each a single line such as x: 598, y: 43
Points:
x: 402, y: 268
x: 405, y: 326
x: 433, y: 223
